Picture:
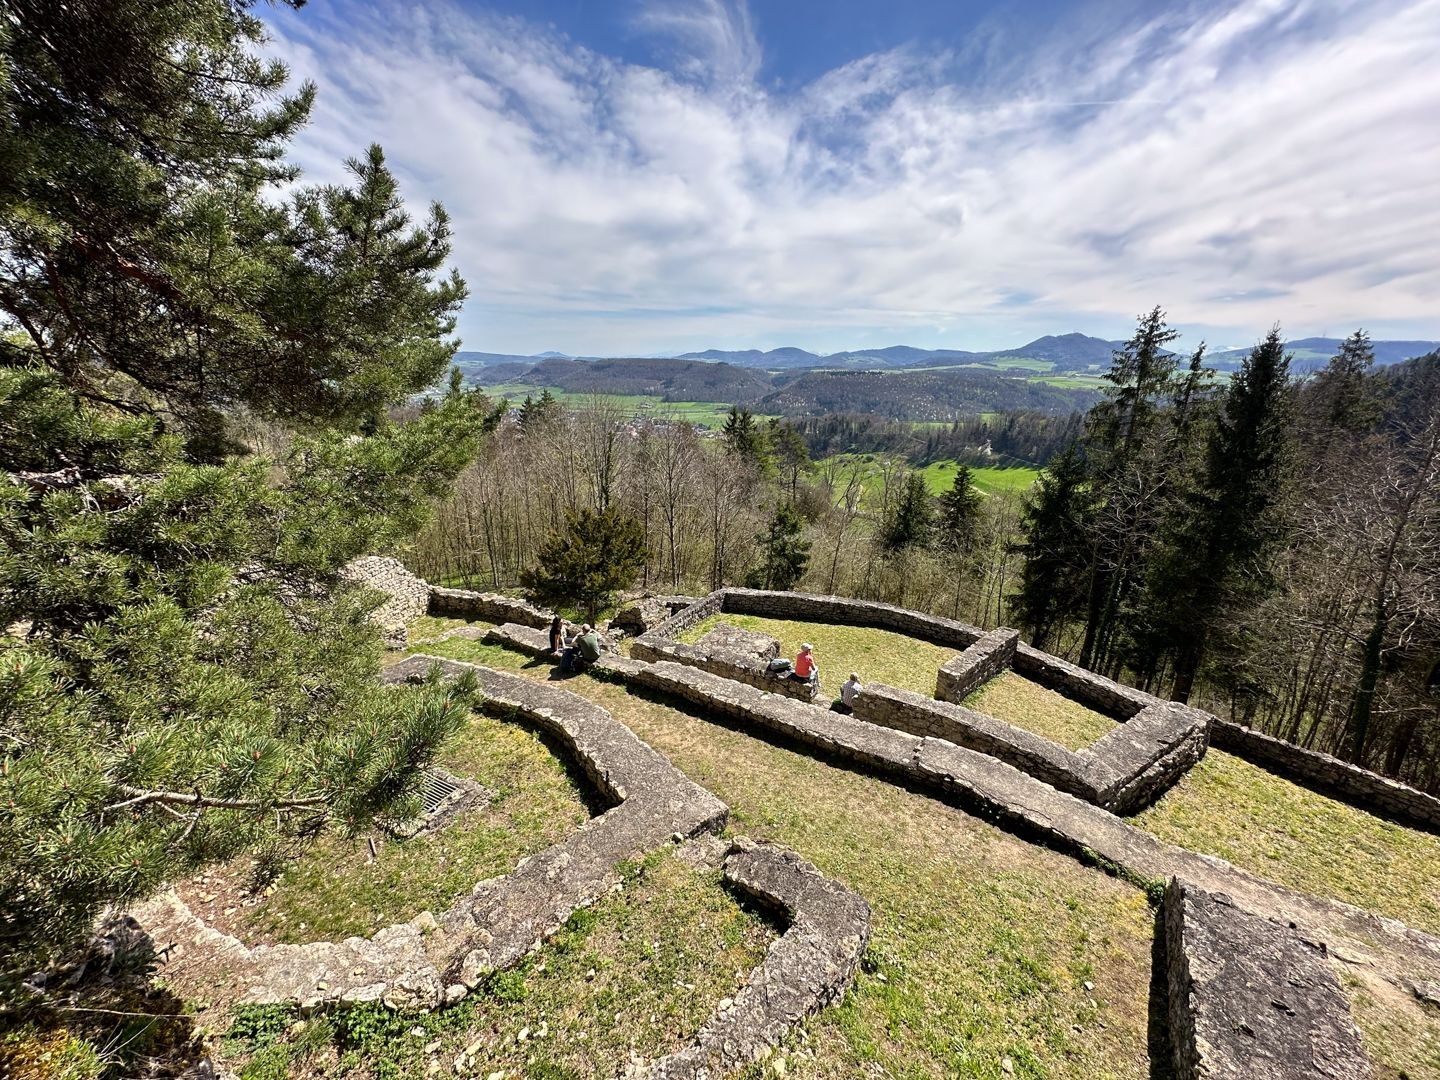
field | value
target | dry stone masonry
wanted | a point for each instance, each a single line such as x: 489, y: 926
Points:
x: 490, y: 607
x: 406, y: 595
x: 807, y: 968
x: 431, y: 961
x: 1156, y: 743
x: 1250, y: 998
x: 1377, y: 794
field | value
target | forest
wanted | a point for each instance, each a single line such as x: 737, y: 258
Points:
x: 1266, y: 546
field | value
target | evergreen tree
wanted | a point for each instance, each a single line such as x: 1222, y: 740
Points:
x: 184, y: 678
x: 785, y: 556
x: 911, y: 520
x: 1343, y: 399
x: 1218, y: 542
x: 745, y: 439
x: 1126, y: 452
x: 587, y: 562
x: 958, y: 526
x: 1056, y: 522
x: 537, y: 414
x: 791, y: 455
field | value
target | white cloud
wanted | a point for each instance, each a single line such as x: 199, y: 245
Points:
x: 1268, y: 159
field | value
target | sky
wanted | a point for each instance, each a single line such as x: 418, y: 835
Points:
x: 646, y: 177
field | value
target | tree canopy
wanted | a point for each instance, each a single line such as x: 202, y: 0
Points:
x: 183, y: 677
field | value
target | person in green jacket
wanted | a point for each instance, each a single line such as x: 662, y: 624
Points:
x: 589, y: 644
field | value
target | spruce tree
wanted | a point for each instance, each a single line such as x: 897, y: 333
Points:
x: 1056, y: 548
x: 745, y: 439
x: 958, y: 524
x: 1218, y: 543
x: 911, y: 520
x: 184, y: 678
x: 1125, y: 451
x: 783, y: 553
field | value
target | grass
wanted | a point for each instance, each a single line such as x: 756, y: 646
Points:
x: 1290, y: 834
x: 1401, y: 1036
x: 982, y: 944
x: 335, y: 890
x: 1071, y: 382
x: 877, y: 655
x: 992, y: 480
x: 632, y: 977
x: 1016, y: 700
x: 1010, y: 475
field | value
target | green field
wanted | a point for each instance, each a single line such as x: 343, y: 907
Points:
x: 709, y: 414
x: 1009, y: 476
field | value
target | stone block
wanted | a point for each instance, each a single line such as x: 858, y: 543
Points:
x: 986, y: 658
x: 1250, y: 998
x: 731, y: 639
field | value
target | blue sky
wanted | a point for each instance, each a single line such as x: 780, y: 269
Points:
x: 649, y: 176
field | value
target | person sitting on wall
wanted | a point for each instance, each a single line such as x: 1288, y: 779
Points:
x: 806, y: 669
x: 848, y: 691
x: 557, y: 635
x: 589, y: 644
x: 570, y: 654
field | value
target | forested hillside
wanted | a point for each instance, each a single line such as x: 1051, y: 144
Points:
x: 1264, y: 545
x: 919, y: 395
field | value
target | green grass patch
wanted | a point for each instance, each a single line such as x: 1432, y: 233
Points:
x: 1016, y: 700
x: 982, y: 944
x: 1400, y: 1035
x: 877, y: 655
x: 1290, y: 834
x: 636, y: 974
x: 335, y: 889
x: 1071, y: 381
x: 992, y: 480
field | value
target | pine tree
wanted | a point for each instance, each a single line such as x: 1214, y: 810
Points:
x: 791, y: 455
x: 784, y: 555
x: 588, y: 561
x: 185, y: 678
x: 1056, y: 522
x: 537, y: 414
x: 745, y: 439
x: 1126, y: 455
x: 1343, y: 399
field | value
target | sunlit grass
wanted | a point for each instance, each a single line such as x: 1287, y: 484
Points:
x: 1290, y: 834
x: 878, y: 656
x: 1016, y: 700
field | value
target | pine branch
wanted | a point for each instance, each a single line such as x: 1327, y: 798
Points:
x: 141, y: 797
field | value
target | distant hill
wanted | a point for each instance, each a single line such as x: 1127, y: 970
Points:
x: 920, y: 395
x: 672, y: 380
x: 775, y: 359
x: 1313, y: 352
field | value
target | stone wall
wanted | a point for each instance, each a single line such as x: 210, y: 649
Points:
x: 489, y: 607
x: 406, y: 594
x: 1371, y: 791
x: 844, y: 611
x: 1250, y: 998
x: 1123, y: 771
x: 1113, y: 699
x: 988, y: 657
x: 730, y: 665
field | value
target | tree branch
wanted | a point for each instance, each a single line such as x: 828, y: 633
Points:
x: 141, y: 797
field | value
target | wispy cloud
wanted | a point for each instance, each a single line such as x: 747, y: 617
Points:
x: 1239, y: 163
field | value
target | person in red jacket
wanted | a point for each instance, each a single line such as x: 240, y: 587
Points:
x: 806, y: 669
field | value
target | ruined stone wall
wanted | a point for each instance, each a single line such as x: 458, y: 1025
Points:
x: 809, y: 607
x: 406, y: 595
x: 977, y: 665
x: 1371, y: 791
x: 490, y: 607
x: 1115, y: 700
x: 735, y: 666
